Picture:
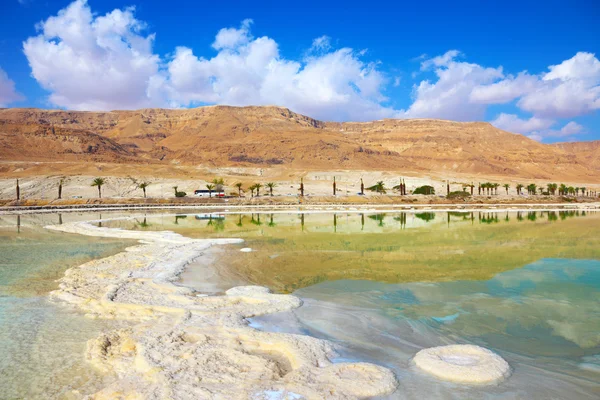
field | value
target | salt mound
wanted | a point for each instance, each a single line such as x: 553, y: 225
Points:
x: 246, y: 250
x: 463, y: 364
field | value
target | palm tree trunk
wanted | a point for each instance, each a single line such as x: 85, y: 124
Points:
x: 60, y: 190
x: 99, y: 191
x: 144, y: 189
x: 18, y: 191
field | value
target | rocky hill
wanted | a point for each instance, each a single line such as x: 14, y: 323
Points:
x: 274, y: 136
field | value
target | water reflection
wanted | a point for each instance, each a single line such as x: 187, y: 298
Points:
x: 302, y: 249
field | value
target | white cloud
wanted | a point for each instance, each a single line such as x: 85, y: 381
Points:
x: 567, y: 131
x: 570, y: 89
x: 505, y: 90
x: 321, y: 44
x: 512, y: 123
x: 106, y: 62
x: 94, y: 62
x: 463, y: 91
x: 8, y: 93
x: 230, y: 38
x: 449, y: 96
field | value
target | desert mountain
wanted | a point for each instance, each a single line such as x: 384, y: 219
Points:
x: 271, y: 136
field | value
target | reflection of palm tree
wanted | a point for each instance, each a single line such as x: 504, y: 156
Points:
x: 271, y: 223
x: 379, y: 218
x: 362, y: 222
x: 143, y: 224
x: 426, y: 216
x: 239, y: 223
x: 302, y: 221
x: 532, y: 215
x: 334, y: 222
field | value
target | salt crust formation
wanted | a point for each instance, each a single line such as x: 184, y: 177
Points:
x: 463, y: 363
x: 183, y: 346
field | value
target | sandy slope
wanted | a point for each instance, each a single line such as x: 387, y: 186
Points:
x: 263, y: 137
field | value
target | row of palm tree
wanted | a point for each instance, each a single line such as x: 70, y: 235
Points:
x: 218, y: 185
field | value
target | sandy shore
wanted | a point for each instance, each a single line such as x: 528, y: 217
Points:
x: 183, y: 344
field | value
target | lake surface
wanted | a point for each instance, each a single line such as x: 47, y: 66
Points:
x: 381, y: 286
x: 42, y: 344
x: 384, y: 286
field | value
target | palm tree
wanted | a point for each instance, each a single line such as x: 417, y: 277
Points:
x: 334, y: 185
x: 257, y: 186
x: 552, y: 188
x: 496, y: 186
x: 239, y: 187
x: 99, y: 182
x: 571, y: 190
x: 219, y: 183
x: 18, y: 191
x: 519, y: 188
x: 301, y: 187
x: 362, y: 187
x: 252, y: 188
x: 531, y: 188
x: 271, y: 185
x: 143, y: 186
x: 583, y: 190
x: 380, y: 187
x: 60, y: 185
x: 562, y: 189
x: 506, y: 186
x: 210, y: 188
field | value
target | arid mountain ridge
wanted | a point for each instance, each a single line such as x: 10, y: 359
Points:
x: 275, y: 136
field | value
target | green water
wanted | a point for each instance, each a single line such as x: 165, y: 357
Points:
x: 383, y: 286
x: 42, y: 344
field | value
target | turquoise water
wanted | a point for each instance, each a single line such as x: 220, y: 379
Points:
x: 42, y: 344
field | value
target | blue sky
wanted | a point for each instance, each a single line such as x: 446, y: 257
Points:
x: 527, y: 67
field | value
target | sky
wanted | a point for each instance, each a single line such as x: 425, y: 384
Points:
x: 527, y: 67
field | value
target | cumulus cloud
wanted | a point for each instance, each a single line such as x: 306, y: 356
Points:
x: 570, y: 89
x: 107, y: 62
x: 94, y: 62
x: 449, y: 96
x: 512, y: 123
x: 463, y: 91
x: 8, y: 93
x: 566, y: 132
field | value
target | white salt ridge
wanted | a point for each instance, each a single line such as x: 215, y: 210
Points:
x: 182, y: 346
x: 462, y: 363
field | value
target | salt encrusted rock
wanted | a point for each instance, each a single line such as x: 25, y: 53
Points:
x: 462, y: 363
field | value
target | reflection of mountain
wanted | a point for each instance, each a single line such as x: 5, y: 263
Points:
x: 465, y: 249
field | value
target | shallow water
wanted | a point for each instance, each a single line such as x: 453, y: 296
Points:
x: 42, y: 344
x: 383, y: 287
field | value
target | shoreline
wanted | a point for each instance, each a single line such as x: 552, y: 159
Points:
x: 186, y: 345
x: 226, y: 208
